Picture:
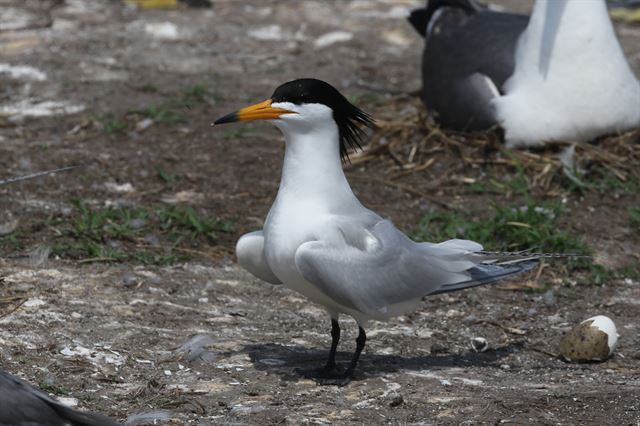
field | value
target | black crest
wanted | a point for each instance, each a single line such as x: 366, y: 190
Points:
x: 348, y: 117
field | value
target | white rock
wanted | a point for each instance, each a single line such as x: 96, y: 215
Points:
x: 162, y: 30
x: 34, y: 302
x: 35, y: 108
x: 272, y: 361
x: 121, y: 188
x: 268, y: 33
x: 331, y: 38
x: 68, y: 401
x: 144, y: 124
x: 22, y: 72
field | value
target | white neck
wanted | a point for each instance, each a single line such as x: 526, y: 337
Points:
x: 312, y: 167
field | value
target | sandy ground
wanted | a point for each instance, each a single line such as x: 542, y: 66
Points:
x: 104, y: 335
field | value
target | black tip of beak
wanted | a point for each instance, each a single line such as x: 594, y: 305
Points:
x: 229, y: 118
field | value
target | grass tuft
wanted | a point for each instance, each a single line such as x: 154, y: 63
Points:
x: 171, y: 110
x: 634, y: 218
x: 112, y: 125
x: 118, y: 234
x: 531, y: 227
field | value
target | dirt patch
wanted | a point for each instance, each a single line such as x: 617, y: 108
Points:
x: 112, y: 267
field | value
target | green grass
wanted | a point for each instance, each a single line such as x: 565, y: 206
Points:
x: 604, y: 182
x: 184, y: 223
x: 532, y: 227
x: 167, y: 177
x: 12, y: 242
x: 54, y: 389
x: 517, y: 183
x: 117, y: 234
x: 194, y: 94
x: 598, y: 179
x: 599, y: 275
x: 112, y: 125
x: 634, y: 218
x: 171, y: 110
x: 162, y: 113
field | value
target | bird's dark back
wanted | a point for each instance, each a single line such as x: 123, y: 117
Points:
x: 483, y: 43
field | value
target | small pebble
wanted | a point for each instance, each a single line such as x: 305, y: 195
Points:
x: 197, y: 349
x: 152, y: 239
x: 396, y: 399
x: 549, y: 298
x: 49, y: 380
x: 154, y: 279
x: 22, y: 287
x: 129, y: 280
x: 479, y: 344
x: 505, y: 366
x: 438, y: 348
x: 137, y: 223
x: 247, y: 409
x: 470, y: 318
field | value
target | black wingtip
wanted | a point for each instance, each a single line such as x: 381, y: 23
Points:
x: 229, y: 118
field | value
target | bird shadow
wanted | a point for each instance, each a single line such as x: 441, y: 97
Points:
x: 293, y: 363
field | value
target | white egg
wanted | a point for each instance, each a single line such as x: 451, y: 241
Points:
x: 594, y: 339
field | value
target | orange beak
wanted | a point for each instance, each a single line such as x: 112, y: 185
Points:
x: 260, y: 111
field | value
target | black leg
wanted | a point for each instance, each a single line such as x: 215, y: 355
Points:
x: 330, y: 369
x: 360, y: 341
x: 335, y: 338
x: 345, y: 379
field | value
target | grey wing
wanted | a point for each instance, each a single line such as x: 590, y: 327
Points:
x: 391, y: 269
x: 250, y: 253
x: 387, y: 269
x: 21, y: 404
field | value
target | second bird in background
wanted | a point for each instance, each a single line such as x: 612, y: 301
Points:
x: 559, y: 75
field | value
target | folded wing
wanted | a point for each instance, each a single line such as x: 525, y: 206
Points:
x: 377, y: 267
